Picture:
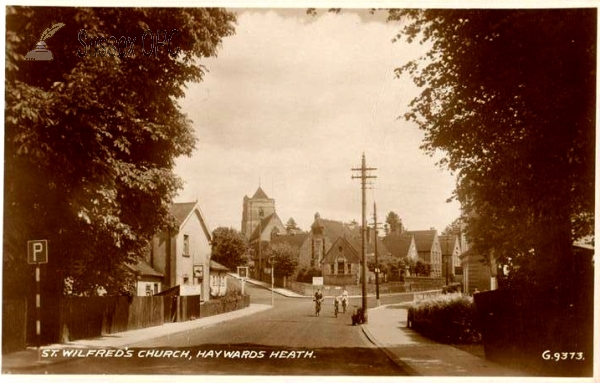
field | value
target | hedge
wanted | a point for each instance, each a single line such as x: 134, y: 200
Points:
x: 449, y: 318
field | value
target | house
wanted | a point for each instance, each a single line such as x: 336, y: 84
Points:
x: 149, y: 281
x: 322, y: 236
x: 182, y: 254
x: 428, y: 249
x: 341, y: 264
x: 450, y: 246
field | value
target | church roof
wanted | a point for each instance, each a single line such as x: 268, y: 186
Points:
x: 294, y: 240
x: 260, y: 194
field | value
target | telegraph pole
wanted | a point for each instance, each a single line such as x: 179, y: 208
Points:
x: 363, y: 184
x: 376, y: 256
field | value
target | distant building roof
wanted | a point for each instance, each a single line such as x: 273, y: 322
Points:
x: 448, y: 243
x: 423, y: 239
x: 260, y: 194
x: 352, y: 233
x: 398, y: 245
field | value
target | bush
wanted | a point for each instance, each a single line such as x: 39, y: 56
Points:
x: 452, y: 288
x: 449, y: 318
x: 305, y: 275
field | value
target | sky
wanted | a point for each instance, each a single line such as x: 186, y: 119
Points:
x: 291, y: 103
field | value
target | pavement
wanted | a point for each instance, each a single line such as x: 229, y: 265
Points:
x: 386, y: 329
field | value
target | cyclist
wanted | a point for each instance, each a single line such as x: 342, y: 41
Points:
x: 318, y: 300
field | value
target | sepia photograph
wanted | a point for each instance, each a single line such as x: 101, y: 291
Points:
x: 366, y: 191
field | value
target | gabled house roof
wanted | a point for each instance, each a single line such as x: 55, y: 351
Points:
x: 144, y: 269
x: 184, y: 210
x: 216, y: 266
x: 341, y: 245
x: 398, y: 245
x: 423, y: 239
x: 448, y: 244
x: 180, y: 211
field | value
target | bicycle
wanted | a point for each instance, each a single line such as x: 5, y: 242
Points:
x: 317, y: 306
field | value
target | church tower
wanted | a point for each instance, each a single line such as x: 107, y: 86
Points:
x: 255, y: 209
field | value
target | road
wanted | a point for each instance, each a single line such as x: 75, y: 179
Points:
x: 285, y: 340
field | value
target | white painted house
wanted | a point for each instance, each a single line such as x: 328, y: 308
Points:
x: 183, y: 254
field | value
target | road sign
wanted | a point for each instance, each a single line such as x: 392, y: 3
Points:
x: 242, y: 271
x: 37, y: 251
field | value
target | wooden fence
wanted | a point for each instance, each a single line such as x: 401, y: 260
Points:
x: 71, y: 318
x: 14, y: 332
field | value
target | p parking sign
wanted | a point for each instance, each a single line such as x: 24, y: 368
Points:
x: 37, y: 251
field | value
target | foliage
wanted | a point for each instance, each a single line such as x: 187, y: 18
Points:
x: 229, y: 247
x: 286, y: 259
x: 509, y: 97
x: 393, y: 224
x: 449, y: 318
x: 291, y: 226
x: 422, y: 268
x: 90, y: 142
x: 93, y: 163
x: 454, y: 228
x: 306, y: 275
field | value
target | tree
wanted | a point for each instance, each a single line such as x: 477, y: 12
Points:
x: 454, y: 228
x: 286, y: 259
x: 394, y: 224
x: 509, y: 97
x: 291, y: 226
x: 229, y: 247
x: 422, y: 268
x: 91, y: 137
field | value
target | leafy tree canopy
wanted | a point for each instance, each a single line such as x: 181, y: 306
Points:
x: 286, y: 259
x: 393, y: 224
x: 229, y: 247
x: 509, y: 97
x: 291, y: 225
x: 454, y: 228
x: 90, y: 140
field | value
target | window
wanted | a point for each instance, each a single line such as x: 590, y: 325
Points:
x: 148, y: 289
x: 341, y: 265
x: 186, y: 245
x: 156, y: 288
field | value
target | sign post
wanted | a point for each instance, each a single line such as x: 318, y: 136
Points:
x: 272, y: 262
x: 37, y: 253
x: 243, y: 274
